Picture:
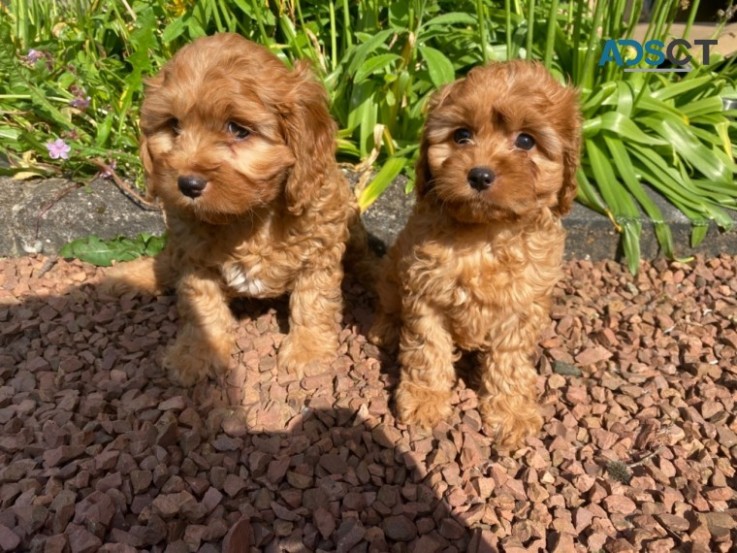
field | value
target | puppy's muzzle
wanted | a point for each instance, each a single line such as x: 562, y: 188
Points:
x: 191, y: 185
x: 480, y: 178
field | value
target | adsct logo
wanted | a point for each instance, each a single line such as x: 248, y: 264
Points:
x: 655, y: 52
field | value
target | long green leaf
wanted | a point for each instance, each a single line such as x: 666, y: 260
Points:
x: 389, y: 171
x: 623, y: 163
x: 373, y: 65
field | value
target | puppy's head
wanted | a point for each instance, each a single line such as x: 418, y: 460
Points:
x: 228, y: 129
x: 501, y: 144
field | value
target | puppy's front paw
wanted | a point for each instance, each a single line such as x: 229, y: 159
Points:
x: 510, y: 419
x: 301, y: 355
x: 384, y: 333
x: 422, y: 406
x: 114, y: 283
x: 188, y: 362
x: 138, y: 275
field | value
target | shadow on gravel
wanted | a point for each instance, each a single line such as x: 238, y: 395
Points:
x: 100, y: 452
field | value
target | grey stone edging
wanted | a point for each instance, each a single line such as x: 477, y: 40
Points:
x: 40, y: 216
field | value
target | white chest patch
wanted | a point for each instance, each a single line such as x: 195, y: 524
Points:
x: 243, y: 281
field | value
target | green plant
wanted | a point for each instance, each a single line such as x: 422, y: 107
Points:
x: 103, y: 253
x: 380, y: 60
x: 664, y: 130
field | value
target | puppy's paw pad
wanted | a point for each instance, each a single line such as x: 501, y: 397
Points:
x: 422, y: 406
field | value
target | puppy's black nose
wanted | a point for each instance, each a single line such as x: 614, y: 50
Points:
x: 480, y: 178
x: 191, y: 185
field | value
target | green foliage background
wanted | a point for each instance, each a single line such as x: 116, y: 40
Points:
x: 380, y: 60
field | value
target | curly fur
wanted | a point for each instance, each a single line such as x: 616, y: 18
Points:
x: 273, y: 217
x: 474, y: 270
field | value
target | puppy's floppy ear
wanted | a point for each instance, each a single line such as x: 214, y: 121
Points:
x: 422, y: 170
x: 310, y: 133
x: 423, y: 175
x: 148, y: 168
x: 571, y: 154
x: 150, y: 102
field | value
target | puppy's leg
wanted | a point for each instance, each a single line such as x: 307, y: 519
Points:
x: 150, y: 275
x: 205, y: 340
x: 426, y: 357
x: 508, y: 401
x: 385, y: 328
x: 359, y: 260
x: 315, y: 309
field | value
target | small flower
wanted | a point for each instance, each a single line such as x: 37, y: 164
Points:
x: 81, y: 103
x: 33, y: 56
x: 58, y: 149
x: 108, y: 171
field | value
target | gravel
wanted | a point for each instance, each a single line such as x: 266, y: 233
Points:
x: 100, y: 452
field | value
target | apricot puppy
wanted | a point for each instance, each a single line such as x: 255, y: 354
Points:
x: 475, y: 265
x: 240, y: 151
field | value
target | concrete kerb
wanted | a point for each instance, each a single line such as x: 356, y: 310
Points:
x: 40, y: 216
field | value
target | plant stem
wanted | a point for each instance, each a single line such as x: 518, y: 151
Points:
x: 530, y: 28
x: 508, y: 27
x: 588, y: 63
x: 333, y: 38
x: 576, y: 69
x: 550, y: 39
x: 481, y: 16
x: 347, y: 31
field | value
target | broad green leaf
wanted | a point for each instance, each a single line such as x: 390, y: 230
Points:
x: 440, y: 67
x: 103, y: 253
x: 373, y: 65
x: 361, y: 51
x: 451, y: 18
x: 173, y: 30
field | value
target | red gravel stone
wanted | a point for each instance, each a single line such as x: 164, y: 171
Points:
x: 9, y: 540
x: 82, y: 541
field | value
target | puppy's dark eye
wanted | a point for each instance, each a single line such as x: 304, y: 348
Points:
x: 462, y: 136
x: 238, y: 131
x: 173, y: 125
x: 524, y: 141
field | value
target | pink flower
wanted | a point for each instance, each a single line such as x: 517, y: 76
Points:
x: 58, y: 149
x: 81, y: 103
x: 108, y: 171
x: 33, y: 56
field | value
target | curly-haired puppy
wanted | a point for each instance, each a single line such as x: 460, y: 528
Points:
x: 475, y: 265
x: 240, y: 150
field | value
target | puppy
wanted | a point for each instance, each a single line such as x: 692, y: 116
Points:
x: 475, y: 265
x: 240, y: 151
